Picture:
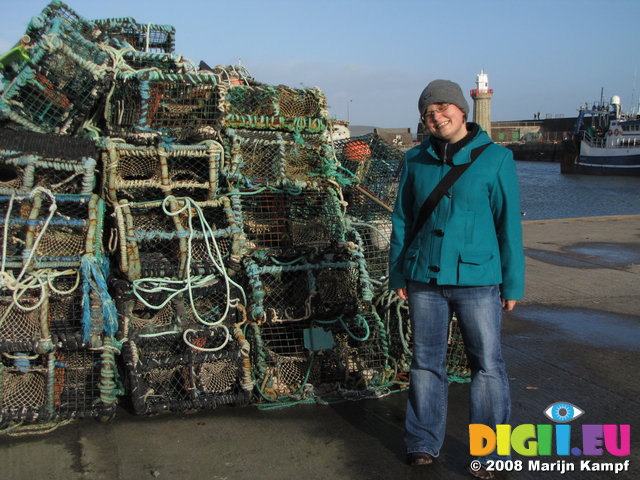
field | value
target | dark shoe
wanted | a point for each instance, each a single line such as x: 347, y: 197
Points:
x: 417, y: 459
x: 482, y: 473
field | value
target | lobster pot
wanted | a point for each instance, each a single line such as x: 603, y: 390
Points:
x: 292, y: 292
x: 53, y: 231
x: 375, y: 235
x: 24, y: 323
x: 148, y: 37
x: 359, y: 358
x: 187, y: 370
x: 175, y: 238
x: 20, y: 173
x: 375, y: 164
x: 254, y: 157
x: 57, y: 90
x: 56, y: 386
x: 137, y: 173
x: 279, y: 222
x: 149, y: 105
x: 86, y: 383
x: 283, y: 368
x: 26, y: 393
x: 144, y: 308
x: 268, y: 107
x: 58, y: 11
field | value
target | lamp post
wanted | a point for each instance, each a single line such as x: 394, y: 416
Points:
x: 348, y: 103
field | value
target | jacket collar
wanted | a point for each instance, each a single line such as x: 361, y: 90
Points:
x: 459, y: 152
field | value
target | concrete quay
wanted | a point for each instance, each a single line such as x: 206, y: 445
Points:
x: 575, y: 338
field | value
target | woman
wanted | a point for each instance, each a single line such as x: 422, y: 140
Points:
x: 467, y: 257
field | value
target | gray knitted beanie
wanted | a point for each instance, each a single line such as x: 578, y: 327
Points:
x: 442, y: 91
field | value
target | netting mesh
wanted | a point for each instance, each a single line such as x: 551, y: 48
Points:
x: 56, y: 91
x: 167, y: 372
x: 21, y: 324
x: 55, y: 386
x: 359, y: 358
x: 266, y: 157
x: 59, y: 11
x: 183, y: 107
x: 290, y: 223
x: 268, y: 100
x: 143, y: 37
x: 59, y: 229
x: 300, y: 290
x: 172, y: 238
x: 23, y: 391
x: 137, y: 173
x: 21, y: 173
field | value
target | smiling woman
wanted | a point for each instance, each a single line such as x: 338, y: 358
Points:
x: 465, y: 256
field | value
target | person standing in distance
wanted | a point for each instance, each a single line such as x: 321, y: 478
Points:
x: 466, y: 258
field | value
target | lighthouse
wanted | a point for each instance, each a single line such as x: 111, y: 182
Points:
x: 481, y: 96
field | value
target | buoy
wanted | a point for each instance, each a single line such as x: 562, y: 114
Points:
x: 356, y: 151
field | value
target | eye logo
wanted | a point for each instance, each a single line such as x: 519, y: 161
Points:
x: 563, y: 412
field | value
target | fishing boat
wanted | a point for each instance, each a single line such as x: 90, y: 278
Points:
x: 605, y: 141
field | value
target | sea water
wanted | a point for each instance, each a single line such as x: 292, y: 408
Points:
x: 546, y: 193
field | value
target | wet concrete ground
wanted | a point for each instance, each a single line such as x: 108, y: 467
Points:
x: 574, y: 339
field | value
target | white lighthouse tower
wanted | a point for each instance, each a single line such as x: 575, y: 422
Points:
x: 481, y: 96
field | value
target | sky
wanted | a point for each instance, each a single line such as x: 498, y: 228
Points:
x: 372, y: 58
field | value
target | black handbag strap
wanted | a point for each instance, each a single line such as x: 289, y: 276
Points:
x: 445, y: 184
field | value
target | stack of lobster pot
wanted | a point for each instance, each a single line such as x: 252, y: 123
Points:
x: 309, y: 321
x: 175, y: 234
x: 57, y: 319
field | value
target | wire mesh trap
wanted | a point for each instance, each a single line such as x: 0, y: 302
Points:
x: 56, y: 90
x: 146, y: 173
x: 153, y: 104
x: 21, y: 173
x: 176, y: 238
x: 148, y: 37
x: 175, y: 372
x: 256, y: 158
x: 59, y: 385
x: 50, y: 231
x: 281, y: 222
x: 300, y: 290
x: 268, y: 107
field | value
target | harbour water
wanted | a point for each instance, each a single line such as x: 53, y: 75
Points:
x: 547, y: 194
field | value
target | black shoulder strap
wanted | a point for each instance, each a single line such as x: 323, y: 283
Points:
x: 445, y: 184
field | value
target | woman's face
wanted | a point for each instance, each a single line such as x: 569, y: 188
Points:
x: 445, y: 121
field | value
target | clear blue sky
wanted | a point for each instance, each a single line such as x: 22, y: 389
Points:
x: 372, y: 58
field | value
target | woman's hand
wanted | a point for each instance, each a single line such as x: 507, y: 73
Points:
x: 508, y: 305
x: 402, y: 293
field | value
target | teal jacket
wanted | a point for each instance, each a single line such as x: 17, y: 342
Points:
x: 474, y: 235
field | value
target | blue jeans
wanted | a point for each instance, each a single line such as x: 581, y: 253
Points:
x: 479, y: 313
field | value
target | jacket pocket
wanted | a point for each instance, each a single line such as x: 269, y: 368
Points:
x: 409, y: 261
x: 476, y: 268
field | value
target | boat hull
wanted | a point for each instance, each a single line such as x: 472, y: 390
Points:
x: 602, y: 163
